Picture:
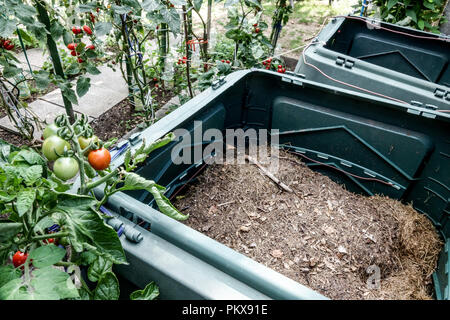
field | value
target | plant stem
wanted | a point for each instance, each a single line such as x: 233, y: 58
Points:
x: 50, y: 235
x: 100, y: 181
x: 188, y: 63
x: 53, y: 49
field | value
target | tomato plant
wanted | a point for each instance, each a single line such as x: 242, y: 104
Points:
x: 36, y: 198
x: 423, y: 15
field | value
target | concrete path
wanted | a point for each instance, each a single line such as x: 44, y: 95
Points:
x: 107, y: 89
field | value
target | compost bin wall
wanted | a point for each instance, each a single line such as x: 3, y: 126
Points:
x: 400, y: 64
x: 406, y: 147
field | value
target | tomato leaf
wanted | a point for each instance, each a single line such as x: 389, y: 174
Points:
x: 8, y: 273
x: 164, y: 204
x: 47, y: 255
x: 98, y: 268
x: 150, y: 292
x: 83, y: 85
x: 107, y: 288
x: 102, y: 28
x: 46, y: 284
x: 25, y: 200
x: 11, y: 71
x: 87, y: 229
x: 9, y: 230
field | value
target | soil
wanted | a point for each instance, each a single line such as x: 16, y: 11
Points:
x: 320, y: 235
x: 122, y: 118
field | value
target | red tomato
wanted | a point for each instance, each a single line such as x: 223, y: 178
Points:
x: 99, y: 159
x: 87, y: 29
x: 71, y: 46
x: 90, y: 47
x: 19, y: 258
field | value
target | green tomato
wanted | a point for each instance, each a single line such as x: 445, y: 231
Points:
x: 65, y: 168
x: 53, y: 145
x: 50, y: 130
x: 84, y: 142
x: 63, y: 241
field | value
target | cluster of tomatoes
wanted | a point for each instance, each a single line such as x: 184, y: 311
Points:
x: 78, y: 30
x: 6, y: 44
x: 155, y: 80
x: 66, y: 167
x: 182, y: 60
x: 268, y: 63
x: 256, y: 29
x: 72, y: 46
x: 225, y: 61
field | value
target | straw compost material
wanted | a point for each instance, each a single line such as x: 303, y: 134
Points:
x: 321, y: 235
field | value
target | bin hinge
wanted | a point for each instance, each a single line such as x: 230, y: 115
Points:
x: 340, y: 61
x: 218, y: 83
x: 440, y: 93
x: 422, y: 113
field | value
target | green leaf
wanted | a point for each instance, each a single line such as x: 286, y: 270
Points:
x: 7, y: 27
x: 31, y: 174
x: 29, y: 156
x: 87, y: 229
x: 56, y: 30
x: 102, y: 28
x: 69, y: 94
x: 172, y: 18
x: 47, y: 255
x: 98, y: 268
x: 67, y: 37
x: 42, y: 79
x: 83, y: 85
x: 412, y: 14
x: 13, y: 290
x: 255, y: 3
x: 159, y: 143
x: 421, y: 24
x: 164, y: 204
x: 73, y: 69
x: 11, y: 71
x: 87, y: 7
x: 50, y: 283
x: 178, y: 2
x: 197, y: 4
x: 8, y: 273
x: 120, y: 9
x: 25, y: 200
x: 428, y: 5
x: 25, y: 36
x: 9, y: 230
x: 391, y: 3
x: 107, y: 288
x: 150, y: 292
x: 92, y: 69
x: 151, y: 5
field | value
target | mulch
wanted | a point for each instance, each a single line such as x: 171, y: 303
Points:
x: 321, y: 235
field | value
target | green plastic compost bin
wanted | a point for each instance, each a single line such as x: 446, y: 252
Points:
x: 386, y: 60
x: 405, y: 147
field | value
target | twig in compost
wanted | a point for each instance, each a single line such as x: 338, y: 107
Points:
x: 269, y: 174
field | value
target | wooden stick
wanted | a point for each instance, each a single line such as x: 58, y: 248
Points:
x: 269, y: 174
